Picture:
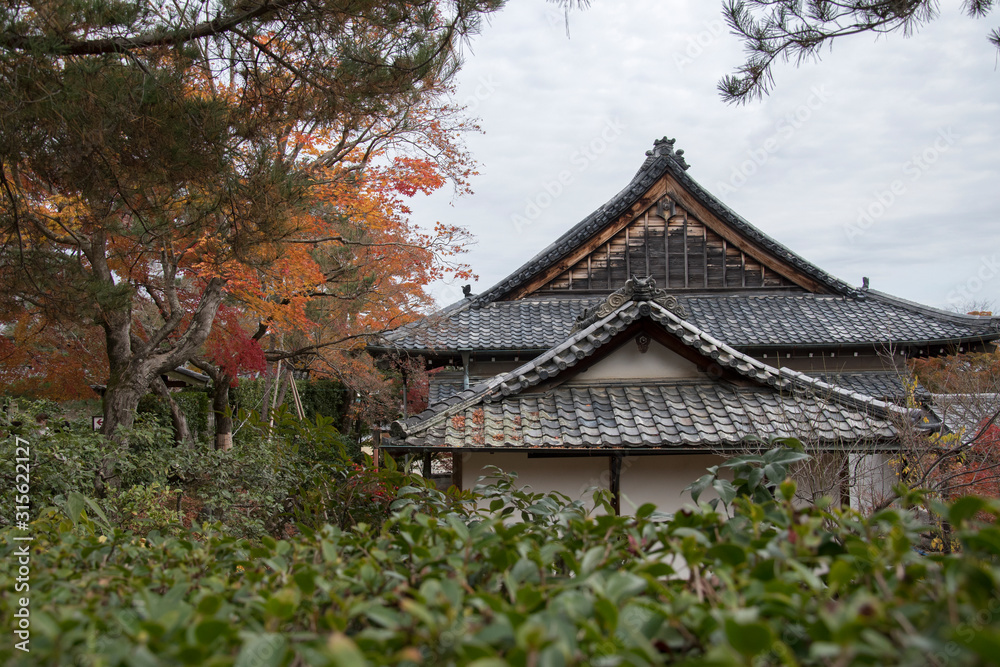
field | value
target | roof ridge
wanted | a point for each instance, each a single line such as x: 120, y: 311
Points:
x: 960, y: 318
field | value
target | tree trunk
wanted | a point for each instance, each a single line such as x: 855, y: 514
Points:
x: 135, y: 364
x: 265, y: 408
x: 182, y: 434
x: 283, y: 387
x: 223, y: 412
x: 221, y: 409
x: 119, y: 402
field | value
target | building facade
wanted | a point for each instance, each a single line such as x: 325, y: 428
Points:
x: 660, y: 335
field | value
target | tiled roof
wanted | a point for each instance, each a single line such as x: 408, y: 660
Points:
x: 661, y: 160
x: 880, y: 385
x: 644, y: 415
x: 754, y: 320
x: 812, y: 319
x: 784, y: 392
x: 440, y: 391
x: 967, y: 414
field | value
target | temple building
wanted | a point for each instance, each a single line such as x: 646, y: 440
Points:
x: 661, y: 335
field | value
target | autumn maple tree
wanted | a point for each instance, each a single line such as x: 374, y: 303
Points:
x: 353, y: 267
x: 157, y: 159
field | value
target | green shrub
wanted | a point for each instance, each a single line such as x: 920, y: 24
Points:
x: 194, y: 403
x: 141, y: 509
x: 255, y: 489
x: 507, y: 577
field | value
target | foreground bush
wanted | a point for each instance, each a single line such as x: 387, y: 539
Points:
x: 295, y: 472
x: 507, y: 577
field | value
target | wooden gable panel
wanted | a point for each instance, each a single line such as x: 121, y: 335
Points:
x: 677, y: 249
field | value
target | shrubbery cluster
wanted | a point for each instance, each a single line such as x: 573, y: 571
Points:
x: 274, y: 479
x: 502, y: 576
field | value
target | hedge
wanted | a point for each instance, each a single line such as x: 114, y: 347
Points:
x: 503, y: 576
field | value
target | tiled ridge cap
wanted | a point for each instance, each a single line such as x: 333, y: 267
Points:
x: 939, y: 313
x: 585, y: 342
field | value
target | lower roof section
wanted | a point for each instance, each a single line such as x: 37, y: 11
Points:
x: 702, y: 415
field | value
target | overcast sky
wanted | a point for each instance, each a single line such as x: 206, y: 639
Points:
x: 912, y: 122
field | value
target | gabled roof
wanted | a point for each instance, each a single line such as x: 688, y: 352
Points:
x: 755, y: 320
x: 505, y: 412
x: 662, y: 160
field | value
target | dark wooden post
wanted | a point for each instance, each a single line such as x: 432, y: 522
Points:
x: 456, y: 469
x: 615, y: 462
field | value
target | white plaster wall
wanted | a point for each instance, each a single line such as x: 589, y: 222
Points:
x: 628, y: 363
x: 571, y: 476
x: 872, y: 479
x: 661, y: 479
x: 645, y: 479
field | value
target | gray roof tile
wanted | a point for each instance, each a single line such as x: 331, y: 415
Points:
x: 785, y: 403
x: 741, y: 320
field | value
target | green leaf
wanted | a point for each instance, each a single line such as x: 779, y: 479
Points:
x: 749, y: 638
x: 208, y: 631
x: 607, y: 612
x: 344, y: 652
x: 645, y: 510
x: 591, y: 560
x: 841, y: 574
x: 306, y: 581
x: 730, y: 554
x: 965, y: 508
x: 387, y: 618
x: 209, y: 604
x: 624, y: 585
x: 784, y: 456
x: 985, y: 539
x: 725, y: 489
x: 775, y: 472
x: 265, y: 650
x: 698, y: 487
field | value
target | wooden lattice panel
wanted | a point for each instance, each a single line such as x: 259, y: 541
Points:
x: 676, y: 248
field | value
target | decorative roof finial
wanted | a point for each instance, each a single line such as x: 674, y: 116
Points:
x: 665, y: 148
x: 636, y: 289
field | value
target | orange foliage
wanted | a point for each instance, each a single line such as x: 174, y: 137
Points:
x: 43, y: 359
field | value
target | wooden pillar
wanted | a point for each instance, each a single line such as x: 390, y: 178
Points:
x: 427, y: 465
x: 456, y: 469
x: 376, y: 447
x: 845, y: 481
x: 615, y: 461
